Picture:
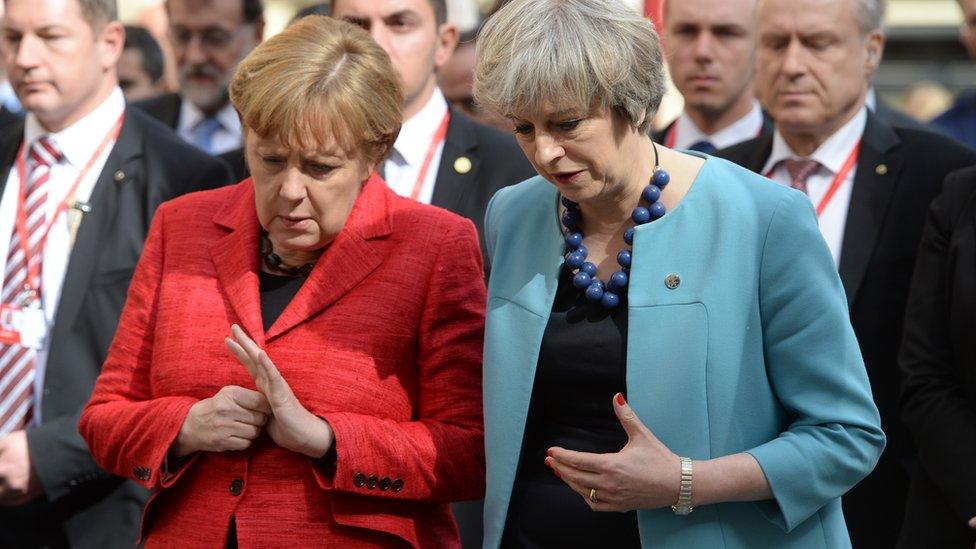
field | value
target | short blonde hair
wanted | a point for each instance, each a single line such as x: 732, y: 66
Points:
x: 320, y: 75
x: 568, y: 54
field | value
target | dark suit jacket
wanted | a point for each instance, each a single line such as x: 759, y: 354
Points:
x: 8, y: 119
x: 84, y: 505
x: 166, y: 109
x: 661, y: 136
x: 938, y: 364
x: 899, y: 171
x: 496, y: 162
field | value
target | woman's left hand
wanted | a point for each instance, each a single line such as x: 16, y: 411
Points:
x: 645, y: 474
x: 291, y: 426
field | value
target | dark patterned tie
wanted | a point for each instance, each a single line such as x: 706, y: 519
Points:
x: 800, y: 169
x: 703, y: 146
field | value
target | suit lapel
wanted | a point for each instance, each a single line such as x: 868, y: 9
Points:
x: 346, y: 261
x: 235, y: 257
x: 756, y: 156
x: 878, y: 169
x: 83, y: 259
x: 455, y: 176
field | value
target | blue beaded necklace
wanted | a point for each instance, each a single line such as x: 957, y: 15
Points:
x: 584, y: 272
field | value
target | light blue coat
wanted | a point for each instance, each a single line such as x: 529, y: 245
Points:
x: 752, y: 352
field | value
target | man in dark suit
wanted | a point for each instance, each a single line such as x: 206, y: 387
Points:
x: 711, y: 52
x: 938, y: 363
x: 80, y: 179
x: 441, y: 156
x: 870, y: 183
x: 209, y: 37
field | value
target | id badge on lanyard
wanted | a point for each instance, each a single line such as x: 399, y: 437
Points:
x: 23, y: 322
x: 24, y: 326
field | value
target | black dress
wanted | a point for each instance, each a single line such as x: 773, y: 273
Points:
x: 582, y: 364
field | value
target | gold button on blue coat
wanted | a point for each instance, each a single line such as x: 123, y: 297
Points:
x: 672, y: 281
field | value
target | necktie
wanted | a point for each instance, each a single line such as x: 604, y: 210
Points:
x: 17, y: 363
x: 703, y: 146
x: 800, y: 170
x: 204, y: 132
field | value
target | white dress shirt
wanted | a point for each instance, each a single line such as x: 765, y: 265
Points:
x: 403, y: 165
x: 77, y: 143
x: 831, y: 154
x: 686, y: 133
x: 228, y: 138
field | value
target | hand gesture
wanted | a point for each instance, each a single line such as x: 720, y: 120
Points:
x: 18, y: 482
x: 229, y: 420
x: 645, y: 474
x: 291, y: 426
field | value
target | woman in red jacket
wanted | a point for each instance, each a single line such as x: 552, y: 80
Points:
x: 344, y: 408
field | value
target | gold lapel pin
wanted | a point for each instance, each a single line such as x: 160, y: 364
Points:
x: 881, y: 169
x: 462, y: 165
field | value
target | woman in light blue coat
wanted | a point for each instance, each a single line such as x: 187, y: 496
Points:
x: 668, y: 356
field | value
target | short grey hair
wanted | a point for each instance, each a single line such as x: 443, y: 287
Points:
x: 569, y: 54
x: 99, y: 12
x: 870, y: 15
x: 96, y: 12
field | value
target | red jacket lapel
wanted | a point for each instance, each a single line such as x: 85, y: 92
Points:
x: 235, y: 257
x: 346, y: 261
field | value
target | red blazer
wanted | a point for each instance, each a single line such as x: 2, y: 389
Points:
x: 383, y: 340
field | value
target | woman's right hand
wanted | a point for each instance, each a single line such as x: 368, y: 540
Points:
x: 229, y: 420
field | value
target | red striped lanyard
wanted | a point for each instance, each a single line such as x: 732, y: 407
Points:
x: 838, y: 180
x: 33, y: 280
x: 439, y: 138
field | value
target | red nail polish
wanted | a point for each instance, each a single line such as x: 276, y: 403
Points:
x: 549, y: 452
x: 555, y: 472
x: 620, y: 399
x: 548, y: 462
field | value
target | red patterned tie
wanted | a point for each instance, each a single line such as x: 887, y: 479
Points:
x: 16, y: 361
x: 800, y: 170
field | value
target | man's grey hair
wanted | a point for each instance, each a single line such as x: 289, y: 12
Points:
x: 99, y: 12
x: 570, y: 54
x: 96, y: 12
x: 870, y: 15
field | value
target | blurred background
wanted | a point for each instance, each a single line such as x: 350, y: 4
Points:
x: 919, y: 31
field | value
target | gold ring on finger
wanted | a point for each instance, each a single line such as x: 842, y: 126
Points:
x: 593, y: 497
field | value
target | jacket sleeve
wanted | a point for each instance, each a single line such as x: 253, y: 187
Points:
x: 935, y: 406
x: 128, y: 431
x: 60, y: 457
x: 439, y: 454
x: 814, y: 364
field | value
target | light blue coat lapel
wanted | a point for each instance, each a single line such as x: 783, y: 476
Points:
x: 518, y: 311
x: 667, y: 329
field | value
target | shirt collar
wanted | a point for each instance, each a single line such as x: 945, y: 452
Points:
x: 190, y: 116
x: 418, y: 132
x: 832, y: 153
x: 79, y: 141
x: 871, y: 99
x: 742, y: 129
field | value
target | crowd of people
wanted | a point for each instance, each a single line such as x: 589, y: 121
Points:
x: 376, y: 282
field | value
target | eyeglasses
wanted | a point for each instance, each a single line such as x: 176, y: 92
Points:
x: 211, y: 38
